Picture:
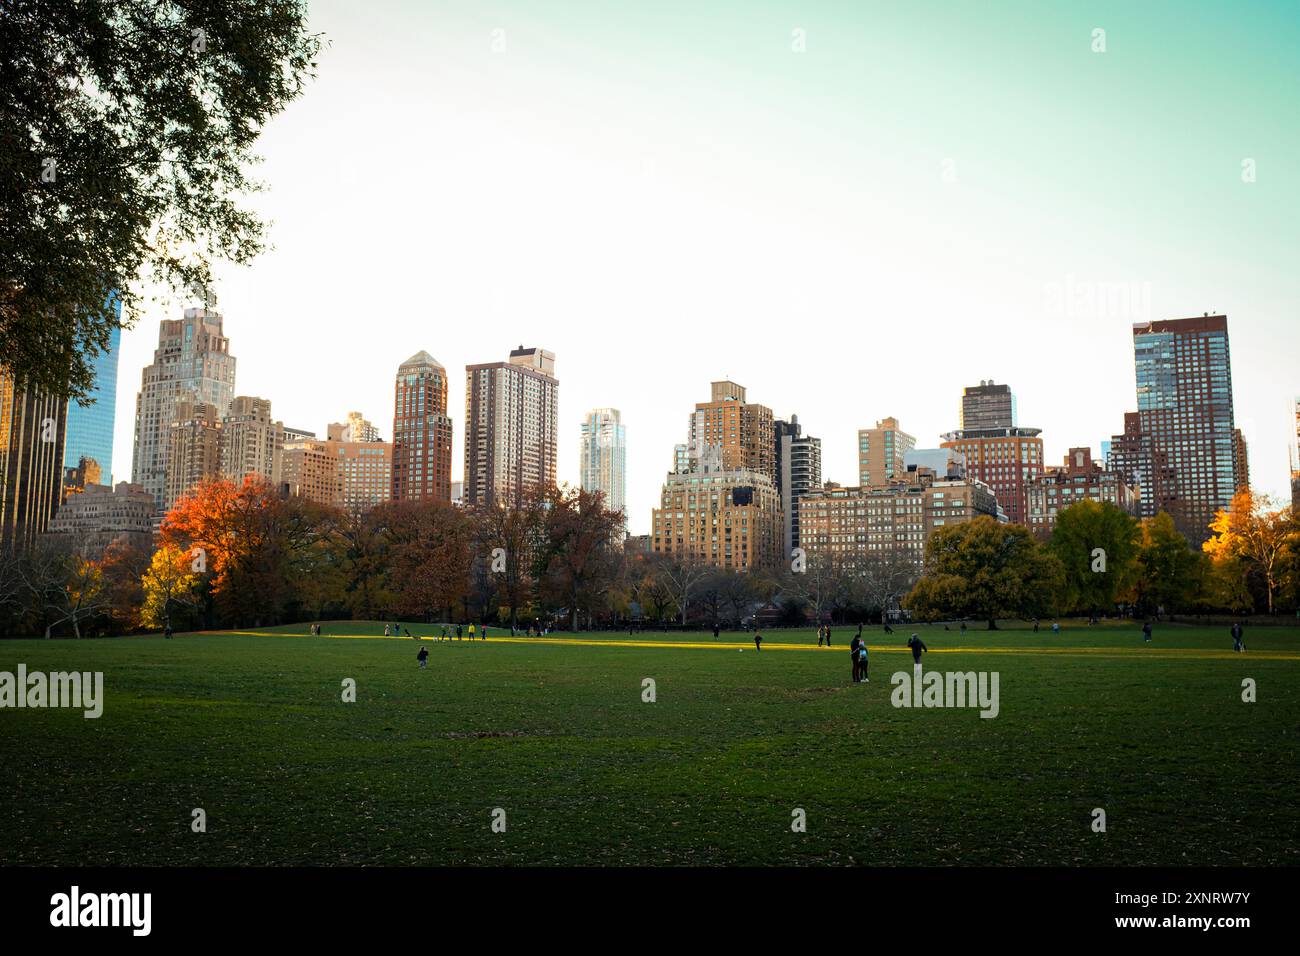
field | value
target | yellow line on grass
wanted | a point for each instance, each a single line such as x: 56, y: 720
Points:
x: 1163, y: 653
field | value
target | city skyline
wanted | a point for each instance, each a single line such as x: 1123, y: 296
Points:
x: 833, y: 197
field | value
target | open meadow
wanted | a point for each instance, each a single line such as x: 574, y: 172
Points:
x: 252, y: 728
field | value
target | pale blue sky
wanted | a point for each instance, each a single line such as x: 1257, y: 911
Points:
x: 667, y: 193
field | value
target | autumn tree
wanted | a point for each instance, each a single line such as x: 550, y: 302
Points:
x: 985, y: 569
x: 579, y: 533
x: 1254, y: 533
x: 169, y: 585
x: 509, y: 540
x: 428, y: 554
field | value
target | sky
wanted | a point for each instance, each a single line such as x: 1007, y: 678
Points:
x: 853, y: 209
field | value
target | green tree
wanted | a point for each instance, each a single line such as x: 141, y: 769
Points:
x: 1096, y: 544
x: 1166, y: 569
x: 984, y: 569
x: 126, y: 134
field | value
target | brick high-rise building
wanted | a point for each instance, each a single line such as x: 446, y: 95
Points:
x: 1184, y: 396
x: 511, y: 427
x: 998, y: 452
x: 745, y: 432
x: 32, y: 437
x: 1079, y: 478
x: 251, y: 442
x: 1241, y: 460
x: 728, y: 518
x: 354, y: 476
x: 192, y: 364
x: 881, y: 453
x: 421, y: 431
x: 1143, y: 467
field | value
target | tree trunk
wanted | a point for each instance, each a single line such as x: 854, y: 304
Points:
x: 993, y: 624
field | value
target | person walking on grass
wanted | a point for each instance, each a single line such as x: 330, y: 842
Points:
x: 758, y: 640
x: 386, y: 634
x: 918, y: 646
x: 821, y: 629
x: 485, y: 632
x: 1238, y: 644
x: 1146, y: 632
x: 862, y: 662
x: 716, y: 631
x: 423, y: 656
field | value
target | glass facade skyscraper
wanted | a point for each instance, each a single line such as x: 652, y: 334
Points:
x: 1184, y: 395
x: 90, y: 427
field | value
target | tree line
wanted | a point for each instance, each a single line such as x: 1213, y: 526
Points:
x: 239, y: 555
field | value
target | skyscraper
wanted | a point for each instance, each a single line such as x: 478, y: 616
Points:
x: 745, y: 432
x: 193, y: 449
x: 998, y: 452
x: 251, y: 443
x: 987, y: 406
x: 603, y: 458
x: 32, y: 436
x: 421, y: 430
x: 881, y: 453
x: 798, y: 471
x: 1184, y: 397
x: 90, y: 427
x: 191, y: 364
x: 511, y: 426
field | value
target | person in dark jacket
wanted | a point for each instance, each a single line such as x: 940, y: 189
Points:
x: 917, y: 645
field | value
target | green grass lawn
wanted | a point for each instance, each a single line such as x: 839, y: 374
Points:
x: 251, y: 728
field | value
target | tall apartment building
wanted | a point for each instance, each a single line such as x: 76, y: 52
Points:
x: 987, y: 406
x: 365, y: 474
x: 1080, y: 478
x: 1144, y: 467
x: 101, y: 515
x: 192, y: 363
x: 851, y: 526
x: 308, y: 470
x: 998, y: 451
x: 251, y: 442
x: 90, y: 427
x: 1241, y: 460
x: 798, y: 471
x: 745, y: 432
x: 602, y: 464
x: 1184, y: 397
x: 193, y: 449
x: 882, y: 453
x: 32, y: 436
x: 728, y: 518
x: 356, y: 427
x: 511, y: 426
x: 421, y: 430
